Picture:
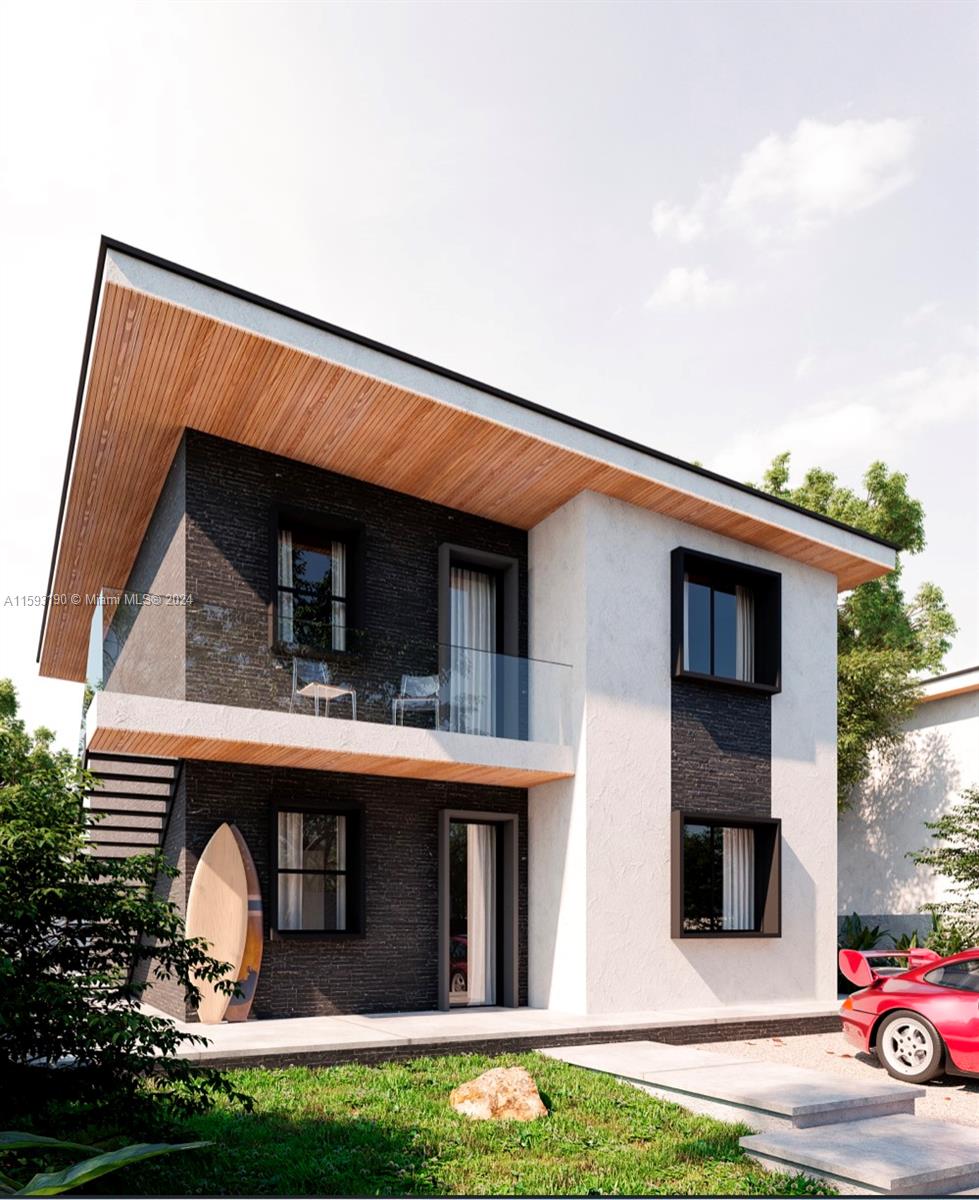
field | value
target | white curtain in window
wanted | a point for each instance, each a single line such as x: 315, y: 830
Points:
x: 338, y: 586
x: 290, y: 855
x: 285, y: 581
x: 745, y: 641
x: 738, y: 879
x: 472, y: 657
x: 481, y: 913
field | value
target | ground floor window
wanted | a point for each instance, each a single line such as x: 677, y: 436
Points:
x: 725, y: 876
x: 316, y: 876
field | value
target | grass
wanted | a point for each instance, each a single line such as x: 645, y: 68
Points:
x: 388, y: 1130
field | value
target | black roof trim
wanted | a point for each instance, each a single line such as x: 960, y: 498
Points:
x: 107, y: 243
x: 949, y: 675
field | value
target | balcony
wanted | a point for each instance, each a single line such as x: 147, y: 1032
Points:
x: 203, y: 680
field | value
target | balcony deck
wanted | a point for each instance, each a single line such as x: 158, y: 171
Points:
x: 123, y: 723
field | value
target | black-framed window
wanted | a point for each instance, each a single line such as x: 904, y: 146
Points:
x: 726, y: 876
x: 726, y: 621
x: 317, y: 870
x: 313, y: 574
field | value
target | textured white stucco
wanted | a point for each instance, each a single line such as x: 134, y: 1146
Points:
x: 936, y: 762
x: 599, y: 844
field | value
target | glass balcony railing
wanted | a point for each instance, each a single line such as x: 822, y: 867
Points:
x: 188, y: 649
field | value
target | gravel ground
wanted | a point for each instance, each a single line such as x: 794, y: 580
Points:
x: 949, y: 1098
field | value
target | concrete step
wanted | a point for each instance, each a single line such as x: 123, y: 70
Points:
x: 765, y: 1096
x: 886, y: 1156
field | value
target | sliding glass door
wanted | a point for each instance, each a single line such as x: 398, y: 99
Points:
x: 473, y: 624
x: 474, y: 902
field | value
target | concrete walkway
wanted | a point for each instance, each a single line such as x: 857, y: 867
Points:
x: 861, y: 1135
x: 328, y: 1039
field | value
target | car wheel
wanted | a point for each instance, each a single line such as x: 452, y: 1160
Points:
x: 458, y: 982
x: 909, y: 1047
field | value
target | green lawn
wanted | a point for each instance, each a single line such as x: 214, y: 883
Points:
x: 388, y: 1130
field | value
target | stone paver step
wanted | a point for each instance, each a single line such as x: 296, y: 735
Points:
x: 766, y: 1096
x: 890, y: 1156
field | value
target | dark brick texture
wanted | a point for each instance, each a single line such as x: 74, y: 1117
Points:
x: 721, y: 750
x: 233, y: 494
x: 393, y: 966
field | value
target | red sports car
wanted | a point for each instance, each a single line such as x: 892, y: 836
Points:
x: 920, y: 1020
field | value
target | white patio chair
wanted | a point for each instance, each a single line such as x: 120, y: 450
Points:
x: 418, y: 692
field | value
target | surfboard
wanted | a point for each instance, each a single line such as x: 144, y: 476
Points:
x: 221, y: 909
x: 251, y: 959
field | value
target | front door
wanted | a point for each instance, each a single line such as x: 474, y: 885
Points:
x: 478, y: 903
x: 473, y: 919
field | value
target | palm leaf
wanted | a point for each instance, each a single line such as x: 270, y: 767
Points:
x: 56, y: 1182
x: 10, y: 1139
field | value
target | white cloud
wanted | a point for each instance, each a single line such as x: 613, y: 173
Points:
x: 804, y: 365
x: 922, y: 314
x: 789, y: 187
x: 688, y: 288
x: 853, y: 425
x: 684, y: 224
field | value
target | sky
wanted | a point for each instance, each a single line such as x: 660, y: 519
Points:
x: 721, y: 229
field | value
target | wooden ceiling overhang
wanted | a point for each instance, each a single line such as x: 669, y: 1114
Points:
x: 170, y: 351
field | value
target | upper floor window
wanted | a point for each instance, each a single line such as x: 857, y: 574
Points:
x: 726, y: 621
x: 718, y: 628
x: 312, y: 590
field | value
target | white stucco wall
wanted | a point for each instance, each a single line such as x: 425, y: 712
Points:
x: 600, y: 843
x: 936, y: 762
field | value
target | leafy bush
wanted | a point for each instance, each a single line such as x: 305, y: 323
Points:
x: 854, y: 935
x: 907, y: 941
x: 73, y: 1039
x: 955, y: 923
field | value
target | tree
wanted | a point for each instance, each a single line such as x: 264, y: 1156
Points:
x: 957, y: 858
x: 885, y: 641
x: 73, y: 1039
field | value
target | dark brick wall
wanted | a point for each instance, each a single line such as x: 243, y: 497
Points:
x: 394, y: 965
x: 233, y: 493
x: 721, y: 749
x: 167, y: 994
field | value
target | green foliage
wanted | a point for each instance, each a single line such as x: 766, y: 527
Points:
x: 854, y: 935
x: 907, y: 941
x: 73, y: 1039
x: 54, y: 1183
x: 885, y: 640
x: 955, y: 923
x: 388, y: 1130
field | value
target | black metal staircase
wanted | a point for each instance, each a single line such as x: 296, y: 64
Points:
x: 135, y: 794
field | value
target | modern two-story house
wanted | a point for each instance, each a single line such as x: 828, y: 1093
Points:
x: 508, y: 710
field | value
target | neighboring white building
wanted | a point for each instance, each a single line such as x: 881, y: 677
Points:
x: 936, y: 762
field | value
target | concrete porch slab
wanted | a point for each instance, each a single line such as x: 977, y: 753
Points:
x: 376, y: 1035
x: 888, y: 1156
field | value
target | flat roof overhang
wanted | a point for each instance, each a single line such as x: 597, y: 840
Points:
x: 955, y: 683
x: 120, y: 723
x: 168, y: 349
